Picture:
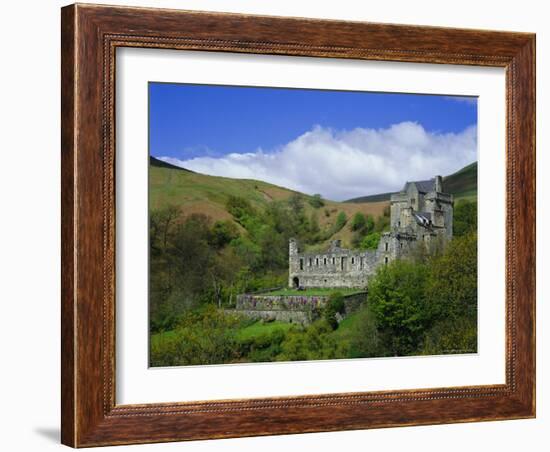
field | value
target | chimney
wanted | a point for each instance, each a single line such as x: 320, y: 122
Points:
x: 335, y: 245
x: 438, y: 185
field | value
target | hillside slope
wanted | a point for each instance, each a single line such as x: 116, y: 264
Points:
x: 462, y: 184
x: 199, y: 193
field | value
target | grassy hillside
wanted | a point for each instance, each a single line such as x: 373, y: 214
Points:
x: 462, y: 184
x: 199, y: 193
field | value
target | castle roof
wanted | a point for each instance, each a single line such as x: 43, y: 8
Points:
x: 423, y: 186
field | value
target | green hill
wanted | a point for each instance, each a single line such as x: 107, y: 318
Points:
x: 199, y: 193
x: 195, y: 192
x: 462, y: 184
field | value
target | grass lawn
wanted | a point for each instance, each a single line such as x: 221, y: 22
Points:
x: 312, y: 292
x: 260, y: 328
x: 248, y: 332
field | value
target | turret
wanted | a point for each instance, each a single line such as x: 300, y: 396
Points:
x: 292, y: 247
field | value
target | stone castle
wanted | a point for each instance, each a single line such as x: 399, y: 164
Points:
x: 421, y: 214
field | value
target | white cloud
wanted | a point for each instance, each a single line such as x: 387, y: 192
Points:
x: 350, y: 163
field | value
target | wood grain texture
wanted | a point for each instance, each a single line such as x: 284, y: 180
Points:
x: 90, y: 36
x: 68, y: 147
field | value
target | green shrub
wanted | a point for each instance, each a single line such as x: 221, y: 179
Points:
x: 458, y: 335
x: 451, y: 289
x: 316, y: 201
x: 314, y: 224
x: 464, y: 217
x: 341, y: 221
x: 370, y: 242
x: 238, y: 207
x: 365, y: 341
x: 222, y: 233
x: 205, y: 336
x: 358, y: 222
x: 335, y: 305
x: 315, y: 342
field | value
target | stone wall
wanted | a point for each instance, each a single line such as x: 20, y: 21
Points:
x: 300, y: 317
x: 290, y: 308
x: 336, y: 267
x: 280, y: 302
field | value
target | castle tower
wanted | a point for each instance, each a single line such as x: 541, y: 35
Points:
x: 292, y: 247
x: 293, y: 263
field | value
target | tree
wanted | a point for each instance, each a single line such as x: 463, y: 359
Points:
x: 207, y: 336
x: 335, y: 305
x: 451, y: 289
x: 364, y: 337
x: 296, y: 202
x: 464, y: 217
x: 369, y: 226
x: 248, y: 251
x: 164, y: 307
x: 222, y: 273
x: 223, y: 232
x: 341, y: 221
x: 161, y: 223
x: 370, y: 242
x: 362, y: 226
x: 457, y: 335
x: 314, y: 228
x: 316, y: 342
x: 397, y: 299
x: 358, y: 222
x: 240, y: 208
x: 316, y: 201
x: 190, y: 256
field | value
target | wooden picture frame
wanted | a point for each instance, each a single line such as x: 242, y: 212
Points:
x: 90, y: 36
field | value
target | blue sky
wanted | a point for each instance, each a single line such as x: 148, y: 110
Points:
x: 292, y: 137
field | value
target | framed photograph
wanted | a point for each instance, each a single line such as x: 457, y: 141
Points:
x: 281, y: 225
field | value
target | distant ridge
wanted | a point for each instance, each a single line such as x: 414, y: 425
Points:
x: 372, y: 198
x: 162, y: 164
x: 462, y: 184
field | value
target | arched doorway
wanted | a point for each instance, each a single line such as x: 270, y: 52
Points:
x: 295, y: 282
